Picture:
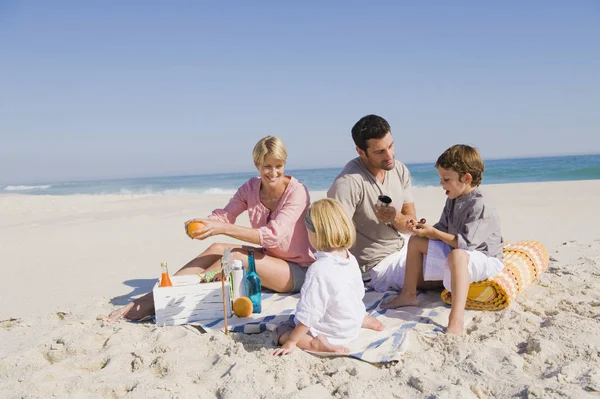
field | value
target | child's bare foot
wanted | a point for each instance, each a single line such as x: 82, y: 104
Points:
x: 455, y: 327
x: 454, y: 330
x: 400, y: 300
x: 372, y: 323
x: 321, y: 344
x: 456, y: 322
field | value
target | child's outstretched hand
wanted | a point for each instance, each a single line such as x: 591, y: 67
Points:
x: 413, y: 224
x: 420, y: 228
x: 285, y: 349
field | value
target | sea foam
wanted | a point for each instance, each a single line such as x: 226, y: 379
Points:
x: 27, y: 188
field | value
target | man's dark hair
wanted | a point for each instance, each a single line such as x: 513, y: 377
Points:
x: 367, y: 128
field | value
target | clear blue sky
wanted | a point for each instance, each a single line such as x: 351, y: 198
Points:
x: 139, y: 88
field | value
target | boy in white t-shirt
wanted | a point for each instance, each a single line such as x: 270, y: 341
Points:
x: 330, y: 312
x: 465, y: 246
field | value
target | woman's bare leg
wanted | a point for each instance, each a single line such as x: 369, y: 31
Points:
x: 274, y: 272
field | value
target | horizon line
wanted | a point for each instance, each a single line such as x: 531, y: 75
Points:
x: 290, y: 169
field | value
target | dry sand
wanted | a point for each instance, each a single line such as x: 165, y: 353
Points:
x: 68, y: 261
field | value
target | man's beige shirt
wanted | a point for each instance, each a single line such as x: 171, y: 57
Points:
x: 357, y: 189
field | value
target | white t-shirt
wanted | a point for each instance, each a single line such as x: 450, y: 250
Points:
x: 331, y: 298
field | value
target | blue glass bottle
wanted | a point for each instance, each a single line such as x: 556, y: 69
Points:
x: 253, y: 286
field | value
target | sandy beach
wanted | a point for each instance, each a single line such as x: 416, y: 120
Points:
x: 67, y: 261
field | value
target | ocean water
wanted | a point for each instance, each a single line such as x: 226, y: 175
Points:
x: 498, y: 171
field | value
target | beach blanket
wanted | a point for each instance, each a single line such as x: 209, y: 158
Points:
x: 524, y: 262
x: 401, y: 326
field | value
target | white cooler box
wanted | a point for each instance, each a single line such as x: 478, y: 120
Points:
x: 189, y: 301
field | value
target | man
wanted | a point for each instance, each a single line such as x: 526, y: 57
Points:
x: 380, y: 248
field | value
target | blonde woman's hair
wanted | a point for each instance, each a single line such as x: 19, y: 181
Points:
x: 269, y: 145
x: 333, y: 228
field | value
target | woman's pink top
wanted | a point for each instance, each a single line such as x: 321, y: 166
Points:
x: 282, y: 232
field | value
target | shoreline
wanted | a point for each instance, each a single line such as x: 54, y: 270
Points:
x: 230, y: 191
x: 498, y: 171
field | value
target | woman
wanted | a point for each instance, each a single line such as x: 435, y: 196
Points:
x: 276, y: 205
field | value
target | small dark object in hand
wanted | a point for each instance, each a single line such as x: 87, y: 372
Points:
x: 418, y: 225
x: 384, y: 200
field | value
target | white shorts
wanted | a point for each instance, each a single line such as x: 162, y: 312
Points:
x: 435, y: 264
x: 389, y: 272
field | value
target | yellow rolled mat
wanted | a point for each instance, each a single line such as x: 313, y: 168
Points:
x: 524, y: 262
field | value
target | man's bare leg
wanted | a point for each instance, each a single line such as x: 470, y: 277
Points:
x: 417, y: 247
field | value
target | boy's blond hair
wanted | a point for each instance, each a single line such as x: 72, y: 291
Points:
x: 269, y: 145
x: 332, y: 227
x: 463, y: 159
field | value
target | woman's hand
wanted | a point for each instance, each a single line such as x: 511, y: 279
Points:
x: 212, y: 228
x: 285, y: 349
x: 195, y: 232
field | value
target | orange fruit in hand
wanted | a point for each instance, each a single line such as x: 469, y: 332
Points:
x: 242, y: 307
x: 193, y: 226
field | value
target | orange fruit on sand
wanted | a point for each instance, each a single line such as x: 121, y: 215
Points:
x: 193, y: 226
x: 242, y: 306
